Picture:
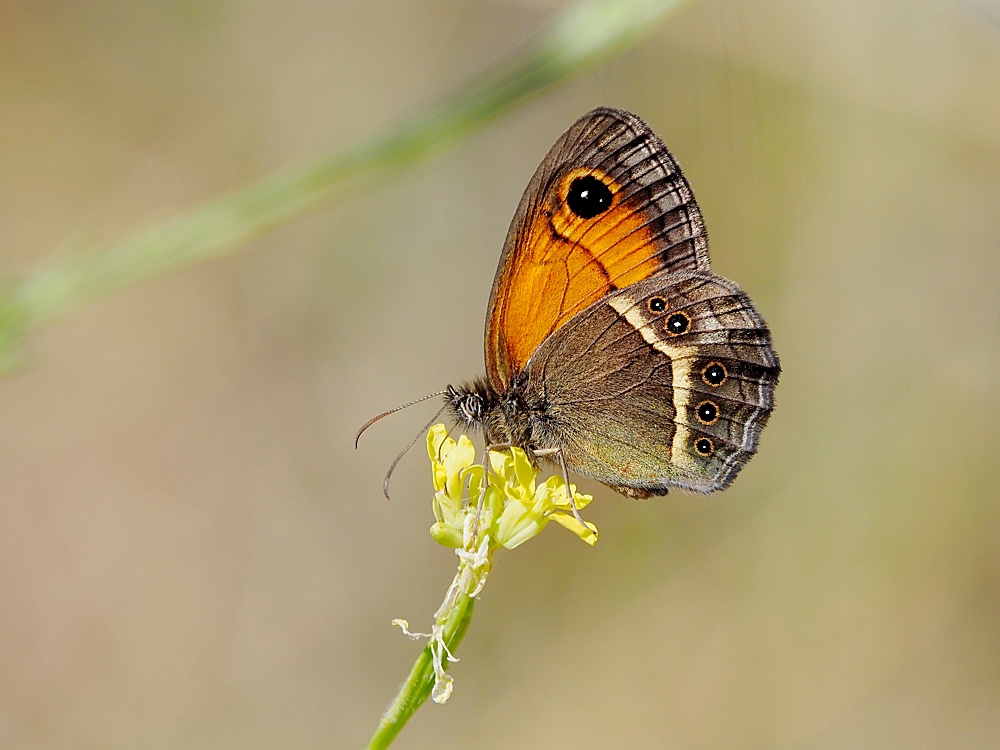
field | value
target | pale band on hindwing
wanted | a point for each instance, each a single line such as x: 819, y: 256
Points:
x: 680, y: 360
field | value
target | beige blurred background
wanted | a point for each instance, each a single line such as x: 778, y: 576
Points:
x: 192, y: 554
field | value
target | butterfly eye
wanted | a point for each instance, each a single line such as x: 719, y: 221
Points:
x: 588, y: 197
x: 678, y: 323
x: 656, y: 304
x: 472, y: 407
x: 708, y: 412
x: 714, y: 374
x: 704, y: 446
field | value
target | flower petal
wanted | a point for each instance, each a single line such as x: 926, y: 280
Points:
x: 587, y: 533
x: 519, y: 523
x: 523, y: 469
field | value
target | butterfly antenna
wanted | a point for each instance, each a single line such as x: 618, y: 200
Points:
x: 446, y: 436
x: 373, y: 420
x: 392, y: 466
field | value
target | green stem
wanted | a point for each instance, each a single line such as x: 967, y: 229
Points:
x: 415, y: 691
x: 582, y: 34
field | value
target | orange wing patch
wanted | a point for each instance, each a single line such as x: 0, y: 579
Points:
x: 607, y: 207
x: 566, y: 263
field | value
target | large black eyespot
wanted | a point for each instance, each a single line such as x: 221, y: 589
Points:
x: 656, y: 304
x: 714, y: 374
x: 678, y: 323
x: 704, y: 446
x: 588, y: 197
x: 707, y: 412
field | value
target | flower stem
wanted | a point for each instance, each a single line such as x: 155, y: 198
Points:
x: 417, y: 688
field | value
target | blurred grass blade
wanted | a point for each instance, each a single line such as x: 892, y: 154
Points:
x: 582, y: 34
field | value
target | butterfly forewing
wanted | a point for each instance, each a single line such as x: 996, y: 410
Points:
x: 607, y: 208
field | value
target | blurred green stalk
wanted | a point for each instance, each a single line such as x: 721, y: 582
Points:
x: 580, y: 35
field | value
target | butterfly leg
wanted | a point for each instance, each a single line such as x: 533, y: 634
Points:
x: 482, y: 495
x: 446, y: 436
x: 549, y: 452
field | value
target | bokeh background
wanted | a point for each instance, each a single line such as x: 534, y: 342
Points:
x: 192, y: 553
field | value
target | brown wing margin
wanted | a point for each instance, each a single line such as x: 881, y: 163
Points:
x: 556, y: 263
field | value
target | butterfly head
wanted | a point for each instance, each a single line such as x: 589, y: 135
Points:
x: 503, y: 418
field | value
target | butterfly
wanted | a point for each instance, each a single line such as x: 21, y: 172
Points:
x: 612, y: 349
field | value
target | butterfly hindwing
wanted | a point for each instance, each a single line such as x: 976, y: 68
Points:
x: 666, y: 383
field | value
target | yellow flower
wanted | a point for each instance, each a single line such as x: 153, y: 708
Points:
x: 475, y: 518
x: 529, y: 507
x: 511, y: 509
